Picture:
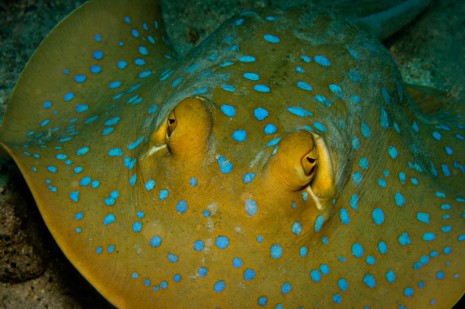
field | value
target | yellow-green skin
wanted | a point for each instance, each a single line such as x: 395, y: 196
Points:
x: 186, y: 183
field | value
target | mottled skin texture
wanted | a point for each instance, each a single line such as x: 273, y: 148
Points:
x: 350, y: 206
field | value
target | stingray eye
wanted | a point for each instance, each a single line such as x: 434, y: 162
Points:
x: 170, y: 124
x: 303, y: 162
x: 188, y: 127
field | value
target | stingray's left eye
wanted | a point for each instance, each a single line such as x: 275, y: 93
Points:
x: 170, y: 123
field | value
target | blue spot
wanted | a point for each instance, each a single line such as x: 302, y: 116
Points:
x: 357, y: 177
x: 371, y: 260
x: 445, y: 170
x: 202, y: 271
x: 378, y: 216
x: 344, y: 216
x: 85, y: 181
x: 369, y: 280
x: 260, y: 113
x: 228, y: 110
x: 136, y: 143
x: 260, y: 238
x: 251, y: 76
x: 81, y: 108
x: 177, y: 278
x: 408, y: 292
x: 400, y: 199
x: 173, y: 258
x: 249, y: 274
x: 225, y: 166
x: 261, y: 88
x: 428, y: 236
x: 336, y: 89
x: 440, y: 275
x: 322, y: 60
x: 322, y: 99
x: 319, y: 221
x: 342, y: 284
x: 143, y: 50
x: 250, y: 207
x: 382, y: 247
x: 404, y: 239
x: 271, y: 38
x: 357, y: 250
x: 324, y: 269
x: 95, y: 69
x: 303, y: 251
x: 79, y: 215
x: 74, y: 195
x: 299, y: 111
x: 52, y: 169
x: 423, y: 217
x: 239, y: 135
x: 80, y: 78
x: 110, y: 218
x: 163, y: 194
x: 122, y: 64
x: 115, y: 152
x: 286, y: 288
x: 78, y: 169
x: 137, y: 227
x: 304, y: 86
x: 354, y: 75
x: 437, y: 135
x: 99, y: 250
x: 150, y: 184
x: 366, y: 132
x: 193, y: 181
x: 247, y: 178
x: 97, y: 55
x: 354, y: 202
x: 133, y: 179
x: 219, y: 286
x: 229, y: 88
x: 319, y: 126
x: 270, y: 129
x: 247, y: 59
x: 315, y: 275
x: 199, y: 245
x: 446, y: 228
x: 262, y: 301
x: 155, y: 241
x: 296, y: 228
x: 135, y: 33
x: 222, y: 242
x: 237, y: 262
x: 276, y: 251
x: 392, y: 152
x: 356, y: 143
x: 182, y: 206
x: 390, y: 276
x: 363, y: 163
x: 47, y: 104
x: 68, y: 96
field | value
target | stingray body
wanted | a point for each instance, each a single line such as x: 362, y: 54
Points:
x: 280, y: 164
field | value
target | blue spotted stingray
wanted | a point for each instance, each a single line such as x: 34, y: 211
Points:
x: 280, y: 164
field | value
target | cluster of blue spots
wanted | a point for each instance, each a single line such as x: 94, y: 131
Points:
x: 378, y: 216
x: 109, y: 218
x: 222, y: 242
x: 111, y: 200
x: 182, y: 207
x: 357, y: 250
x: 404, y: 239
x: 276, y: 251
x: 225, y: 165
x: 239, y: 135
x: 299, y: 111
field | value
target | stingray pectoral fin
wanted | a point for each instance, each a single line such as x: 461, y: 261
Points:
x: 427, y: 100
